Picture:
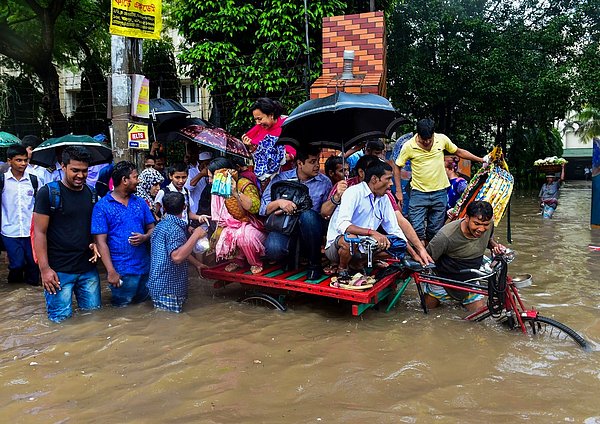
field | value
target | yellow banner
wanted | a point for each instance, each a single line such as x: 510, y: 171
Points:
x: 136, y: 18
x: 137, y: 135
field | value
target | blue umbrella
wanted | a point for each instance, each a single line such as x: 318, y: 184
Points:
x: 339, y: 121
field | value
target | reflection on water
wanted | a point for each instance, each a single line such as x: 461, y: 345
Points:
x: 223, y: 362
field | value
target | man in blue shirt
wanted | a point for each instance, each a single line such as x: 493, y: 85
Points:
x: 171, y: 251
x: 122, y: 224
x: 311, y: 225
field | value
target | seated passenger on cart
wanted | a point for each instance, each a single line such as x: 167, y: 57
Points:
x: 415, y: 248
x: 460, y: 245
x: 311, y: 225
x: 364, y: 207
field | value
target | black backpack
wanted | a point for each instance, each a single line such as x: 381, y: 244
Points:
x: 293, y: 191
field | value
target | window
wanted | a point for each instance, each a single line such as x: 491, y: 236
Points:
x: 189, y: 93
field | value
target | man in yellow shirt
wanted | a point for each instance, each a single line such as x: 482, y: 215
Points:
x: 427, y: 207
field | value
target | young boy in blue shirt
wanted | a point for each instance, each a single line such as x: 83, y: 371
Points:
x: 171, y: 250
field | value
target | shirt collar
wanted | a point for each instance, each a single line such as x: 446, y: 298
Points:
x: 175, y: 220
x: 365, y: 190
x: 9, y: 174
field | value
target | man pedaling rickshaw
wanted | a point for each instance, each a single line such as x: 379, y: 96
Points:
x: 460, y: 245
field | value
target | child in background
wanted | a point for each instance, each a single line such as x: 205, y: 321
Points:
x: 171, y: 251
x: 178, y: 174
x: 18, y: 198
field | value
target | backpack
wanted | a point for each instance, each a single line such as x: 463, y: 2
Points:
x: 296, y: 192
x: 56, y: 205
x: 56, y: 199
x: 34, y: 183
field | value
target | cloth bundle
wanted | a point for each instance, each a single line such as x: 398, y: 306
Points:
x: 222, y: 180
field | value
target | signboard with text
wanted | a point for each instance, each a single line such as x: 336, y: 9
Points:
x: 136, y: 18
x: 137, y: 136
x: 140, y: 96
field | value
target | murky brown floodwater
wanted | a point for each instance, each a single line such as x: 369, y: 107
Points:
x: 318, y: 364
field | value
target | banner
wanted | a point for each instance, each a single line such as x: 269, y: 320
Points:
x: 137, y: 136
x: 140, y: 96
x: 136, y: 18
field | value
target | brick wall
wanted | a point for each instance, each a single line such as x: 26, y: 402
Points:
x: 363, y: 33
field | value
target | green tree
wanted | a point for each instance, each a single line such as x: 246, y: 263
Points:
x: 160, y: 68
x: 588, y: 124
x: 485, y: 70
x: 242, y: 50
x: 38, y: 36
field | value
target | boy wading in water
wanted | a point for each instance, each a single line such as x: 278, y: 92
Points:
x: 171, y: 251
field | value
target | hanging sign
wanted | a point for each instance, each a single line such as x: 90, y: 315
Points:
x: 137, y: 136
x: 140, y: 96
x: 136, y: 18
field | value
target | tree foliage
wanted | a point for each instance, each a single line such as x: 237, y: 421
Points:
x: 37, y: 36
x: 242, y: 50
x: 160, y: 67
x: 488, y: 71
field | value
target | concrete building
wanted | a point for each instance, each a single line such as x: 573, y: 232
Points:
x: 578, y: 153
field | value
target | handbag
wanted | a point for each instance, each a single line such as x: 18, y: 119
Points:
x: 293, y: 191
x: 233, y: 206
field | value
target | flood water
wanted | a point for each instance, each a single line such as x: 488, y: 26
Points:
x: 225, y: 362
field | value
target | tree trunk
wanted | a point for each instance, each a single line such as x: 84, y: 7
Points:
x: 51, y: 100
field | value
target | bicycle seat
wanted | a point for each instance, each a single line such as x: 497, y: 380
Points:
x: 413, y: 265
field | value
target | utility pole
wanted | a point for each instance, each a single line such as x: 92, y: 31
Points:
x: 126, y: 59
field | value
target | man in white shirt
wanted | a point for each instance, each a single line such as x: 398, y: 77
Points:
x: 198, y: 177
x: 364, y: 207
x: 18, y: 199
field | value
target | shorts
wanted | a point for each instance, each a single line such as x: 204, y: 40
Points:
x: 442, y: 295
x: 168, y: 302
x: 332, y: 252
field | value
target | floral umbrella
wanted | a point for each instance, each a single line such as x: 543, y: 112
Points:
x: 217, y: 139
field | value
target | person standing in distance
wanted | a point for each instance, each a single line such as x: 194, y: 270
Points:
x: 427, y: 208
x: 63, y: 243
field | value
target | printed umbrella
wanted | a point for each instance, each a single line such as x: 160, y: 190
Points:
x: 339, y: 121
x: 216, y: 138
x: 45, y: 154
x: 7, y: 139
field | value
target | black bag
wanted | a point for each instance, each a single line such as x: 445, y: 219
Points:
x: 293, y: 191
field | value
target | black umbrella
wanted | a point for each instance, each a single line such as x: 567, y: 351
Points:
x: 339, y: 121
x: 163, y: 110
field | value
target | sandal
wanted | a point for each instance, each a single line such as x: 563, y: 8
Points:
x: 232, y: 267
x: 256, y: 269
x: 330, y: 270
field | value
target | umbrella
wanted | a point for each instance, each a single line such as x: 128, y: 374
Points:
x: 7, y: 139
x: 339, y: 121
x: 216, y: 138
x: 45, y: 154
x: 163, y: 110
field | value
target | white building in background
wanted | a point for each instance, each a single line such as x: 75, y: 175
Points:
x: 578, y: 153
x: 195, y: 98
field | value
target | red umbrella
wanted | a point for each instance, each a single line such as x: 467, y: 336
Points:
x: 216, y: 138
